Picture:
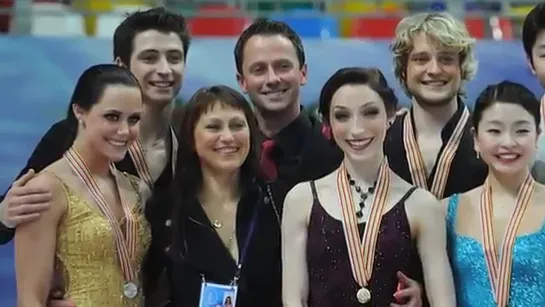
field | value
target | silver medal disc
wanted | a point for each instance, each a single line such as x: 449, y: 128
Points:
x: 363, y: 295
x: 130, y: 290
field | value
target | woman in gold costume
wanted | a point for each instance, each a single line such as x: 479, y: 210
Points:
x: 95, y: 233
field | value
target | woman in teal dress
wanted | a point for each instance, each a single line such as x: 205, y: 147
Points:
x: 496, y: 231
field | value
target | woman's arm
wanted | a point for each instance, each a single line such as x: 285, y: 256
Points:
x: 431, y: 237
x: 297, y: 207
x: 35, y: 244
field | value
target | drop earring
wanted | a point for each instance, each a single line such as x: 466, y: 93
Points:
x: 478, y: 155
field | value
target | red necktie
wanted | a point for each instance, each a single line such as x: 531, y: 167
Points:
x: 268, y: 166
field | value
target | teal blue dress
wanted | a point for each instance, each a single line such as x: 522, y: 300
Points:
x: 470, y: 271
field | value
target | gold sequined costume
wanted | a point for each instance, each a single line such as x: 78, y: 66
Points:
x: 86, y: 254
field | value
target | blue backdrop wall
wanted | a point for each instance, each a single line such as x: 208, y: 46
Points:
x: 38, y: 74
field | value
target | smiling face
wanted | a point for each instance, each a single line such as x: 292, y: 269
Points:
x: 157, y: 61
x: 222, y: 139
x: 271, y: 73
x: 111, y: 125
x: 433, y: 72
x: 358, y: 121
x: 506, y: 138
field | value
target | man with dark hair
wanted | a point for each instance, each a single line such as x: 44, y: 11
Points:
x: 533, y: 41
x: 153, y: 44
x: 271, y: 68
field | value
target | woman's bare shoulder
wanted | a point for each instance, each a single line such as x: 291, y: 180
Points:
x: 469, y: 197
x: 303, y: 191
x: 49, y: 178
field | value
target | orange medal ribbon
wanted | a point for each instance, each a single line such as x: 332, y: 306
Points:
x: 362, y: 252
x: 499, y: 270
x: 416, y: 163
x: 126, y: 244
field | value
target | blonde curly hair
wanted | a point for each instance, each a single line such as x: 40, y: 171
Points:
x: 441, y: 27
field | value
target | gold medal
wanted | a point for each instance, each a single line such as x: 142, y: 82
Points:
x: 362, y: 251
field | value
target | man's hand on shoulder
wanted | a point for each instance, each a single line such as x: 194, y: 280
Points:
x: 23, y: 204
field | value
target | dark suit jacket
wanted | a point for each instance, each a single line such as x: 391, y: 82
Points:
x: 302, y: 154
x: 50, y: 148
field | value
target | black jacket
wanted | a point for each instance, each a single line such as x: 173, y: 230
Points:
x: 208, y: 258
x: 302, y: 154
x: 50, y: 149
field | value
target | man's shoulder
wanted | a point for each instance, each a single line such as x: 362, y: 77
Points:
x: 61, y: 123
x: 311, y: 114
x: 62, y: 126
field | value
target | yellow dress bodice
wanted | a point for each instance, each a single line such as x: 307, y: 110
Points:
x: 86, y: 254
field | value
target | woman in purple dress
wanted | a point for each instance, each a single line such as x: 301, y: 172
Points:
x: 351, y: 237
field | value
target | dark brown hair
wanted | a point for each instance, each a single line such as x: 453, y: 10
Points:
x: 267, y: 27
x: 159, y: 19
x: 356, y: 75
x: 188, y: 178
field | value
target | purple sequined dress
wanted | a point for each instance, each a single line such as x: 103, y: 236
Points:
x: 331, y: 281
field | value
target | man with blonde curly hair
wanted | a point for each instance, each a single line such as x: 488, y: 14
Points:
x: 432, y: 143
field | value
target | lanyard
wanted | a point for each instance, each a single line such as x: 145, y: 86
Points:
x: 249, y: 236
x: 242, y: 258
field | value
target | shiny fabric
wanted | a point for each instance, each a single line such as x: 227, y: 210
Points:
x: 331, y: 281
x: 86, y: 254
x: 473, y: 288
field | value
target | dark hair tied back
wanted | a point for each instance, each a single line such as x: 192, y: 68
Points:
x: 506, y: 92
x: 372, y: 77
x: 90, y: 88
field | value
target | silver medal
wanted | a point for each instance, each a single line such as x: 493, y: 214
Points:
x: 363, y: 295
x: 130, y: 290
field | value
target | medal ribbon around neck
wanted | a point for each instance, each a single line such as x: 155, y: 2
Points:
x: 542, y: 107
x: 126, y: 245
x: 136, y: 151
x: 362, y: 252
x: 417, y: 167
x: 499, y: 271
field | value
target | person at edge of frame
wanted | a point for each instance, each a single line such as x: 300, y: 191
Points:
x: 533, y: 41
